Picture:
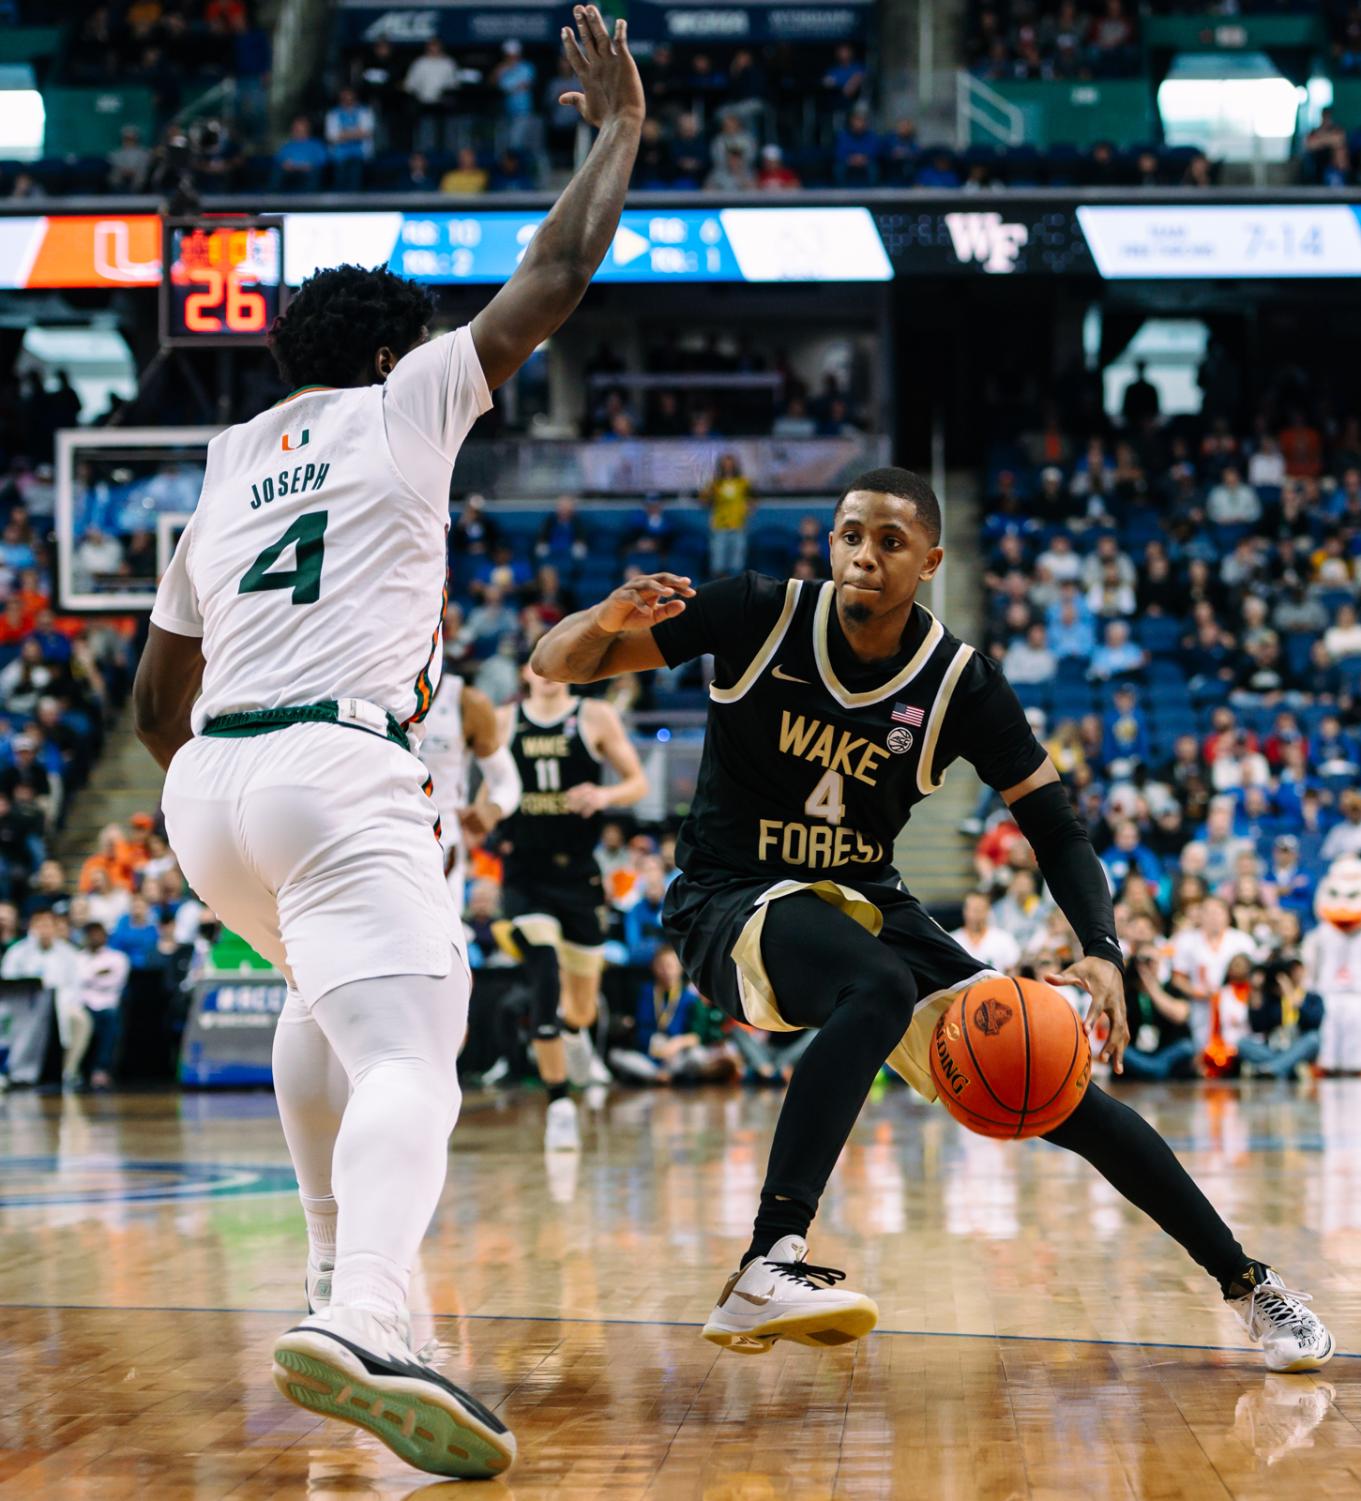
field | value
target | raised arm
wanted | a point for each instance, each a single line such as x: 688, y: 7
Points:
x: 614, y: 636
x: 572, y: 241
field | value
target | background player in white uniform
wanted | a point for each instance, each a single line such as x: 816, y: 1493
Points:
x: 461, y: 726
x: 306, y: 599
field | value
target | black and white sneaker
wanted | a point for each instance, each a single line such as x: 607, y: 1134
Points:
x: 347, y: 1364
x: 781, y: 1296
x: 1292, y: 1338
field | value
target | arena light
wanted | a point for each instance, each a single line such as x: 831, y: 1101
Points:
x: 1241, y: 109
x: 23, y: 124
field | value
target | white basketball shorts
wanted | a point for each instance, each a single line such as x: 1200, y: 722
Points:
x: 316, y: 844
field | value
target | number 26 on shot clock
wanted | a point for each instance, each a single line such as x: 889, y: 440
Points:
x: 222, y: 282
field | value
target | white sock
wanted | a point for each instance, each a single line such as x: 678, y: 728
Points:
x: 321, y: 1228
x: 311, y: 1091
x: 398, y: 1038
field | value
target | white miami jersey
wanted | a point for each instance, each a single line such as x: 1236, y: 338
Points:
x: 444, y: 749
x: 314, y: 565
x: 1332, y: 961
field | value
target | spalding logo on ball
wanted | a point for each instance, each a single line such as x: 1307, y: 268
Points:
x: 1338, y: 898
x: 1010, y: 1058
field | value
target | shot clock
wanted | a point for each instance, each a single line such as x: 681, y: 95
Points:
x: 223, y: 280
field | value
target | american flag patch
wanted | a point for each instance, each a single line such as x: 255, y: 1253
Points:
x: 907, y: 714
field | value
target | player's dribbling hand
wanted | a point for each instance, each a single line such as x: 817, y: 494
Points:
x: 610, y: 86
x: 1102, y: 981
x: 642, y: 602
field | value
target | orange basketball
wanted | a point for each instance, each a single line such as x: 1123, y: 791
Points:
x: 1010, y: 1058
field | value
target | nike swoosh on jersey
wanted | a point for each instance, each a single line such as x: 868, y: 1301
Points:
x: 785, y: 677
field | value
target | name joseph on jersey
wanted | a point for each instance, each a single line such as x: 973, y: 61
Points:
x: 828, y: 843
x: 299, y: 480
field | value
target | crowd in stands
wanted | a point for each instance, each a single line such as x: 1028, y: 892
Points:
x: 711, y: 385
x: 1067, y: 41
x: 416, y: 119
x: 1175, y: 603
x: 122, y: 933
x: 1332, y: 153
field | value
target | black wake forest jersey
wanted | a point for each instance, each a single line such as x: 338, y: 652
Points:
x: 813, y: 761
x: 551, y: 759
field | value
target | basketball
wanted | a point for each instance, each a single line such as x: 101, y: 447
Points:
x: 1010, y: 1058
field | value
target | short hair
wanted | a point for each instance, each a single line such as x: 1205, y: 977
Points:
x: 339, y: 320
x: 904, y: 484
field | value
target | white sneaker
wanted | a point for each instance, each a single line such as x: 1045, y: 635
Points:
x: 317, y: 1284
x: 350, y: 1365
x: 1292, y: 1338
x: 494, y: 1075
x: 562, y: 1133
x: 780, y: 1296
x: 583, y: 1067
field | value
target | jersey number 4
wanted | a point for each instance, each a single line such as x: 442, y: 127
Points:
x: 308, y: 533
x: 827, y: 800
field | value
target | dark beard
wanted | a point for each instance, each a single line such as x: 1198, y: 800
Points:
x: 857, y: 614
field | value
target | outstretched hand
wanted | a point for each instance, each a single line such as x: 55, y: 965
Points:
x: 643, y: 602
x: 605, y: 69
x: 1103, y: 982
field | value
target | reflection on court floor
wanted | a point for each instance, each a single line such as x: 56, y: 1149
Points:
x: 1038, y: 1336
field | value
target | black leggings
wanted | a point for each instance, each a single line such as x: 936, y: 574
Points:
x: 540, y: 962
x: 829, y: 972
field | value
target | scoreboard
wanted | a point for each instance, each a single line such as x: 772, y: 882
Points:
x: 224, y: 281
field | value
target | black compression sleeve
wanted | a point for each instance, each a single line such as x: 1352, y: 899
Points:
x: 1070, y: 868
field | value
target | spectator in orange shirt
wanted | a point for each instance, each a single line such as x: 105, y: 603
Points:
x: 32, y: 596
x: 139, y: 841
x: 114, y: 856
x: 992, y: 850
x: 483, y: 865
x: 1302, y: 446
x: 14, y: 623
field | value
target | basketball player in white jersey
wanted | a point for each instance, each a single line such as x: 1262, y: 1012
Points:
x: 461, y: 726
x: 294, y: 650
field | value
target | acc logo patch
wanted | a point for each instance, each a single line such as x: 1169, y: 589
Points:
x: 899, y: 740
x: 991, y: 1017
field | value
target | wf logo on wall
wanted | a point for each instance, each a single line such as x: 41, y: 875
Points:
x: 985, y: 238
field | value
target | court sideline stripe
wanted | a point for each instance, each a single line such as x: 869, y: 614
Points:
x: 543, y: 1318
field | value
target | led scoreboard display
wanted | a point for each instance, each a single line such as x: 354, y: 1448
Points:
x: 223, y: 282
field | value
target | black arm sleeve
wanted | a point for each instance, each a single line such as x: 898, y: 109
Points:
x: 728, y: 619
x: 1070, y: 868
x: 986, y: 725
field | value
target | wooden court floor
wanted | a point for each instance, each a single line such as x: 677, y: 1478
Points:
x: 1038, y: 1338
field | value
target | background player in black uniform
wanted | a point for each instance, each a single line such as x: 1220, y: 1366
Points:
x: 836, y: 707
x: 554, y: 900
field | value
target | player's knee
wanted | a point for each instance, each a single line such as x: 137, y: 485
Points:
x: 547, y: 1030
x: 884, y: 995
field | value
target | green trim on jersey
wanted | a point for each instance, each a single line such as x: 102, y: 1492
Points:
x: 266, y: 721
x: 302, y: 391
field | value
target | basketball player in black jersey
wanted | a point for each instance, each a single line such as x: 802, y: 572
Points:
x: 554, y: 899
x: 835, y: 709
